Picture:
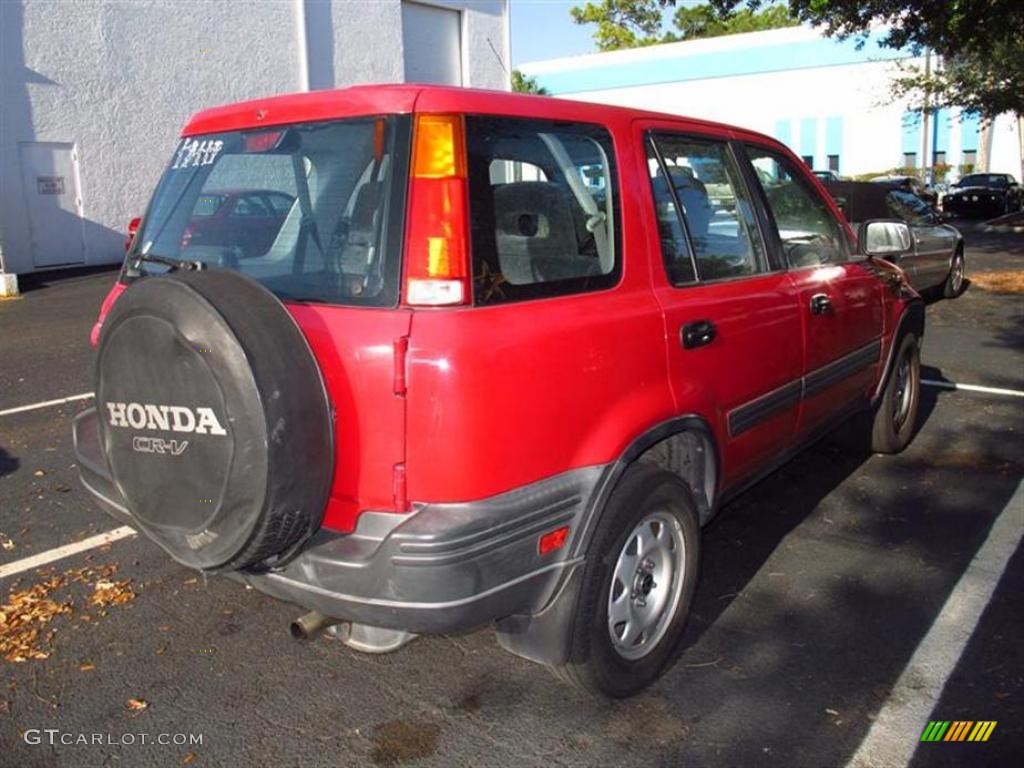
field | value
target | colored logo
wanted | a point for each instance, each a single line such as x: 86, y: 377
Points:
x: 958, y: 730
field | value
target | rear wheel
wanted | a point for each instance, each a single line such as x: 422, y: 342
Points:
x: 638, y: 586
x: 954, y: 284
x: 896, y: 413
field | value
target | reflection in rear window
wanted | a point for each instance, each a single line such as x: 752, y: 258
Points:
x: 207, y: 205
x: 303, y: 209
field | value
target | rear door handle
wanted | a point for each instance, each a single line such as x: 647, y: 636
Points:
x: 821, y: 304
x: 697, y: 334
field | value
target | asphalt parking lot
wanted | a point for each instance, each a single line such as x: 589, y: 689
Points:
x: 837, y: 596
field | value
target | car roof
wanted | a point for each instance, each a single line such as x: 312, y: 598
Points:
x: 368, y: 100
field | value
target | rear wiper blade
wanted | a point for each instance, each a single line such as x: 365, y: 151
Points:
x: 167, y: 261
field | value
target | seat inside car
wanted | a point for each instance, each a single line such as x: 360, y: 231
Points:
x: 536, y: 233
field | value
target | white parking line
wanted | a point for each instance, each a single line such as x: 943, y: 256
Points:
x: 896, y: 732
x: 52, y: 555
x: 972, y: 388
x: 46, y: 404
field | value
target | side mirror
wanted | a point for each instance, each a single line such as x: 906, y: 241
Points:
x: 885, y: 238
x: 133, y: 227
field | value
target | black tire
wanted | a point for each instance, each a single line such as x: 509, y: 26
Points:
x: 954, y: 284
x: 214, y: 419
x: 594, y: 664
x: 896, y: 413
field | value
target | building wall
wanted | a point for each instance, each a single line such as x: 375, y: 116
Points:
x: 819, y: 96
x: 118, y: 80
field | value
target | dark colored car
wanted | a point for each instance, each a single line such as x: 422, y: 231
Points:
x: 984, y: 194
x: 824, y: 176
x: 937, y: 257
x: 247, y: 219
x: 505, y: 358
x: 910, y: 184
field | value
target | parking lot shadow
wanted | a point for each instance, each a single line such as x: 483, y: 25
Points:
x: 8, y: 463
x: 818, y: 585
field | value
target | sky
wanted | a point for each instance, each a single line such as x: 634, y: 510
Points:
x: 543, y: 29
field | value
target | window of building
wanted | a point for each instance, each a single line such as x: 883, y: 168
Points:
x: 808, y: 160
x: 833, y: 163
x: 544, y: 209
x: 809, y: 233
x: 716, y: 236
x: 910, y: 160
x: 939, y: 158
x: 970, y: 157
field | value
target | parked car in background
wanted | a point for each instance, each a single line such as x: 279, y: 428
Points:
x: 463, y: 387
x: 910, y: 184
x: 984, y: 194
x: 248, y: 219
x: 828, y: 176
x: 936, y: 259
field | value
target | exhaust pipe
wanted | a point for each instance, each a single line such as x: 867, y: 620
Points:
x: 309, y: 625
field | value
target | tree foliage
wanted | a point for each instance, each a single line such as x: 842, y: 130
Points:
x: 522, y: 83
x: 636, y: 23
x: 622, y: 23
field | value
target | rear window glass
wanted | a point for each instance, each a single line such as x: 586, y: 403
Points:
x: 307, y: 210
x: 543, y: 208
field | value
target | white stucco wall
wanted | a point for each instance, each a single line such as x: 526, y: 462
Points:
x: 119, y: 79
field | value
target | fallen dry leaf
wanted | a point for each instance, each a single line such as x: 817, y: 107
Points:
x: 87, y: 667
x: 137, y: 705
x: 39, y: 473
x: 24, y: 634
x: 1008, y: 281
x: 189, y: 757
x: 5, y: 542
x: 24, y: 614
x: 111, y: 593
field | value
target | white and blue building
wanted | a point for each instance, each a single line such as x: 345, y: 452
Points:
x: 828, y: 100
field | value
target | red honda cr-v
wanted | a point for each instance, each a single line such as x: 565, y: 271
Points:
x: 498, y: 360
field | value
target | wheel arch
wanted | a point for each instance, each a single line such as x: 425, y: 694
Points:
x: 911, y: 320
x: 673, y: 444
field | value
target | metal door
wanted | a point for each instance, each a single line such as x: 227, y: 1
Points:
x: 432, y: 39
x: 49, y: 172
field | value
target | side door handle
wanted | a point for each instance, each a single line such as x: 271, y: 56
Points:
x: 821, y: 304
x: 697, y: 334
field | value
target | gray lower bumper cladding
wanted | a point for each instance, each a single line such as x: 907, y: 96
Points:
x: 442, y: 568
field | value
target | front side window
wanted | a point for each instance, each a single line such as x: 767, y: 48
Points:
x: 809, y: 233
x: 705, y: 218
x: 910, y: 208
x: 543, y: 209
x: 303, y: 209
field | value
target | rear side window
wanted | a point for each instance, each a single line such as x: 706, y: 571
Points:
x: 809, y: 233
x: 543, y: 209
x: 312, y: 211
x: 705, y: 218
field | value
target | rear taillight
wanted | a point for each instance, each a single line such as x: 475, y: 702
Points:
x: 437, y: 240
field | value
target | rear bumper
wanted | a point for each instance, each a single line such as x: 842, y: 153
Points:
x: 442, y: 568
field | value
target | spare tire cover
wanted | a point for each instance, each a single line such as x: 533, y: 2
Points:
x: 214, y: 419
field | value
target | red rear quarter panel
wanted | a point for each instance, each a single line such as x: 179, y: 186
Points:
x: 506, y: 395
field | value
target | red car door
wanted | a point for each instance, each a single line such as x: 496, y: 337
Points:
x: 840, y: 299
x: 733, y: 327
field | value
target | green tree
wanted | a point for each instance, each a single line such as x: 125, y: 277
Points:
x: 525, y: 84
x: 622, y: 23
x: 705, y: 21
x: 636, y: 23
